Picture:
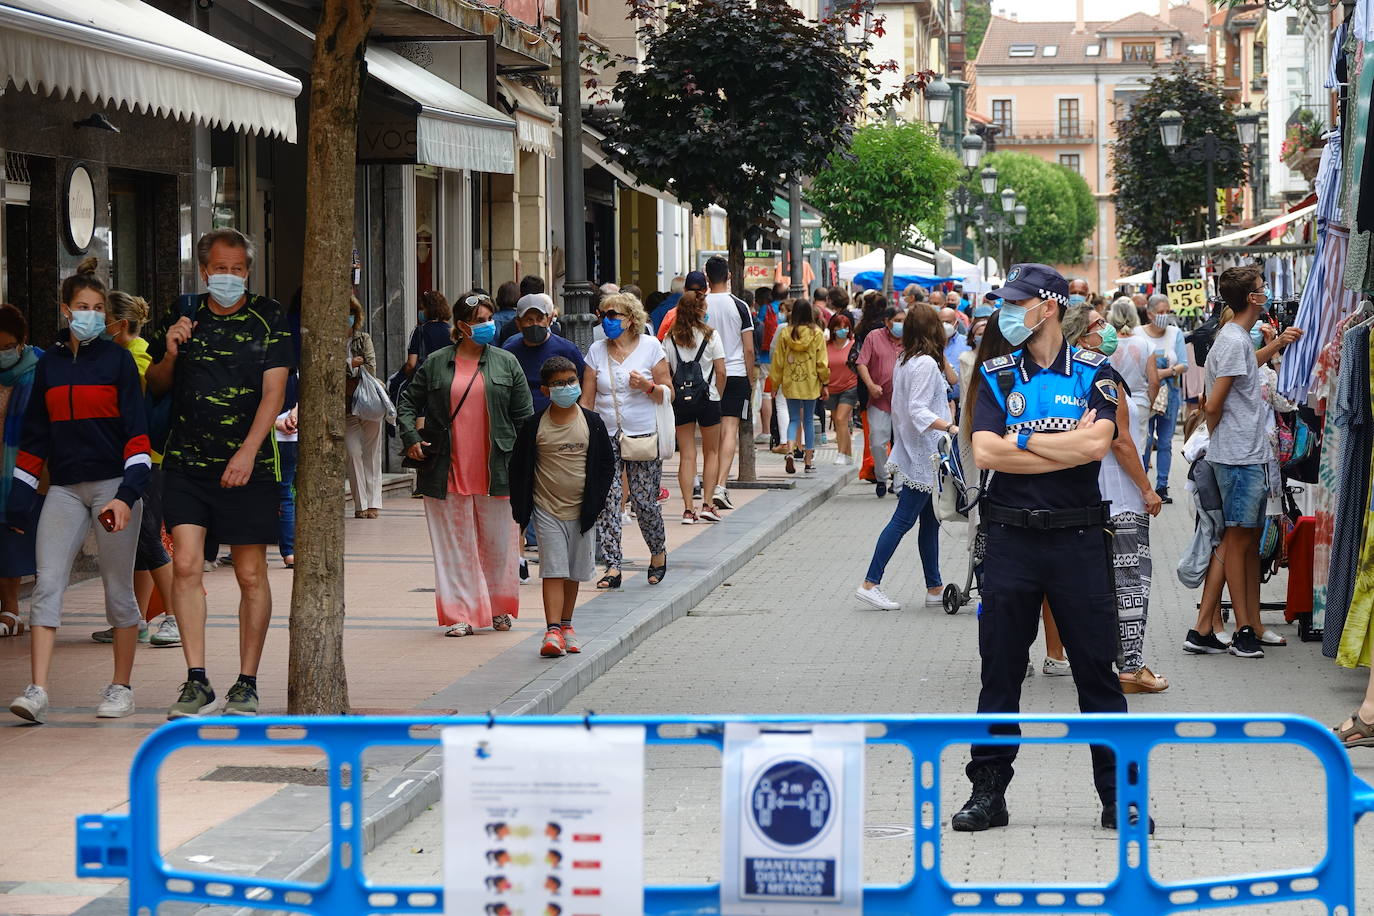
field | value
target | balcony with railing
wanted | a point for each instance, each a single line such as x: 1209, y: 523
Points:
x: 1067, y: 130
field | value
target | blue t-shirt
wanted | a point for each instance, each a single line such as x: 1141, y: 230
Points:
x: 661, y: 310
x: 429, y: 337
x: 532, y: 360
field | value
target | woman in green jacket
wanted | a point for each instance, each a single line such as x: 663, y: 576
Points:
x: 474, y: 397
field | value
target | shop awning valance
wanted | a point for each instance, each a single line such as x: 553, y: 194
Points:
x: 453, y: 130
x: 533, y: 119
x: 128, y: 53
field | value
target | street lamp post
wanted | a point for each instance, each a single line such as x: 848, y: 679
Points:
x: 577, y: 291
x: 1208, y: 150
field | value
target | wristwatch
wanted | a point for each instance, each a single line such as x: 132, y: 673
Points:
x: 1023, y: 439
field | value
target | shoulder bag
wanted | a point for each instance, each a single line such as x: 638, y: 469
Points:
x: 430, y: 435
x: 632, y: 448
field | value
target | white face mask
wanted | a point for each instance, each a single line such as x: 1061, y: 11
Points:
x: 949, y: 330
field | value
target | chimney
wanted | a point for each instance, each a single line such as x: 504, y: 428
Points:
x: 1079, y: 27
x: 1164, y: 10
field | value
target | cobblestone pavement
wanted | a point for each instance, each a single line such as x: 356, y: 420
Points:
x: 785, y: 635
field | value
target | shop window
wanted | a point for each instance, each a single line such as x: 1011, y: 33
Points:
x: 426, y: 228
x: 228, y: 177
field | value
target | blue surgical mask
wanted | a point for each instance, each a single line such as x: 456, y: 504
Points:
x: 1077, y: 299
x: 897, y: 329
x: 226, y: 289
x: 10, y: 358
x: 841, y: 333
x: 352, y: 320
x: 1257, y: 337
x: 612, y: 327
x: 484, y: 333
x: 1011, y: 321
x: 87, y: 325
x: 565, y: 395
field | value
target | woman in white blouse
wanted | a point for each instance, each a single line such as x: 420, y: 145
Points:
x: 626, y: 376
x: 920, y: 415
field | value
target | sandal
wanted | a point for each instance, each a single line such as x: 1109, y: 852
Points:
x: 1143, y: 681
x: 14, y: 628
x: 462, y: 629
x: 502, y: 622
x: 789, y: 464
x: 656, y: 573
x: 1359, y: 734
x: 608, y: 581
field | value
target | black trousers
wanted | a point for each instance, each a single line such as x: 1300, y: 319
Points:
x: 1069, y: 566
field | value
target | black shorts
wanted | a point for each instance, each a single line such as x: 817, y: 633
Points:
x: 229, y: 515
x: 704, y: 413
x: 151, y: 553
x: 734, y: 400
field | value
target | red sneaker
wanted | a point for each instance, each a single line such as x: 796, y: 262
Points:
x: 570, y: 640
x: 553, y: 646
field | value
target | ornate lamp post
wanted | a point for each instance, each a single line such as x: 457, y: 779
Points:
x: 1208, y: 150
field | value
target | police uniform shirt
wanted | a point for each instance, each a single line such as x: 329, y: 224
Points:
x: 1046, y: 400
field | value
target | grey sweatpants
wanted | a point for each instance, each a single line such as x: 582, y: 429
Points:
x: 68, y: 514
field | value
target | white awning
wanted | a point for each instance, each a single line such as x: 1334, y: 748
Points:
x: 533, y: 119
x: 453, y: 130
x: 1241, y: 234
x: 128, y: 53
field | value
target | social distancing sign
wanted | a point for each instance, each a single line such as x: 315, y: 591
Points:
x: 792, y: 816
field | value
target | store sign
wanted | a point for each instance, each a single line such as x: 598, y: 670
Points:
x: 792, y: 816
x: 760, y: 267
x: 383, y: 140
x: 79, y: 207
x: 1188, y: 298
x: 543, y: 819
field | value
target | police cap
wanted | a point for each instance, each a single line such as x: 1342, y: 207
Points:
x: 1033, y: 281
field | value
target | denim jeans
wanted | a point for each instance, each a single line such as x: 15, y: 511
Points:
x: 286, y: 509
x: 799, y: 411
x: 912, y: 504
x: 1162, y: 438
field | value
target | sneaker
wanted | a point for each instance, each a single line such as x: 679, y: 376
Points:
x: 627, y: 517
x: 721, y: 497
x: 689, y: 517
x: 1270, y: 638
x: 552, y: 646
x: 502, y: 622
x: 1053, y: 667
x: 935, y: 600
x: 195, y: 698
x: 211, y: 565
x: 840, y: 461
x: 241, y: 700
x: 874, y: 596
x: 570, y: 644
x: 1245, y: 644
x: 107, y: 636
x: 881, y: 487
x: 1198, y: 644
x: 1030, y: 671
x: 168, y: 633
x: 707, y: 514
x: 116, y: 702
x: 663, y: 494
x: 696, y: 487
x: 32, y: 704
x: 1164, y: 497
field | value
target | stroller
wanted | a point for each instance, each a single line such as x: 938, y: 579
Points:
x: 956, y: 499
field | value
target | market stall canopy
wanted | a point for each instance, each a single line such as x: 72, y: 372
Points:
x: 1145, y: 276
x: 907, y: 270
x: 1240, y: 235
x: 127, y: 53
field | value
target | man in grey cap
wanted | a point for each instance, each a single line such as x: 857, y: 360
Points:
x: 534, y: 343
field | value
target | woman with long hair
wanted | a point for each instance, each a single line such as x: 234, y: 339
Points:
x: 920, y: 415
x: 692, y: 341
x: 362, y: 438
x: 475, y: 397
x: 844, y: 383
x: 799, y: 371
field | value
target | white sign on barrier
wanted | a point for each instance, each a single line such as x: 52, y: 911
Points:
x: 543, y: 821
x: 792, y: 816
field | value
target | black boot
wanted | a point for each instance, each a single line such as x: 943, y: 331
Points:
x: 1109, y: 817
x: 1164, y: 497
x: 986, y: 807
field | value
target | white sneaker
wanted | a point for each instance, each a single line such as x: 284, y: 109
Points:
x: 116, y: 702
x: 721, y: 497
x: 935, y: 600
x: 167, y: 633
x: 840, y: 461
x: 874, y: 596
x: 32, y: 704
x: 1053, y: 667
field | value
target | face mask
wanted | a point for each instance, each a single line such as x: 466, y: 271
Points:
x: 977, y: 341
x: 949, y: 330
x: 10, y: 358
x: 841, y: 333
x: 897, y: 329
x: 535, y: 334
x: 1011, y: 321
x: 565, y: 395
x: 612, y: 327
x: 87, y: 325
x: 1161, y: 320
x: 1257, y: 337
x: 484, y: 333
x: 226, y: 289
x: 1109, y: 341
x: 352, y: 320
x: 1077, y: 299
x: 420, y: 316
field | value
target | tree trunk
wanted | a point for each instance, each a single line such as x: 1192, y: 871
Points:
x: 889, y: 255
x: 317, y: 683
x: 735, y: 227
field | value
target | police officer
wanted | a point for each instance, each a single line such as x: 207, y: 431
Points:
x: 1043, y: 421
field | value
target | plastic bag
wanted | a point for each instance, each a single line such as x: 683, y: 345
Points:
x: 370, y: 401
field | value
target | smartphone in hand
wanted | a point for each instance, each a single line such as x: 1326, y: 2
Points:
x: 108, y: 520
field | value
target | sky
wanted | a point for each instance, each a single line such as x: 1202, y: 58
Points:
x: 1064, y: 10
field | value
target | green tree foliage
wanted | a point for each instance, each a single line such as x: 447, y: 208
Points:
x: 1157, y: 197
x: 977, y: 15
x: 891, y: 182
x: 1060, y: 211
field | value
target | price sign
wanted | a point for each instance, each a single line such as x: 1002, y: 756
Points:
x: 1188, y: 298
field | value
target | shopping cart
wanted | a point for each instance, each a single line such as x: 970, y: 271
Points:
x: 965, y: 502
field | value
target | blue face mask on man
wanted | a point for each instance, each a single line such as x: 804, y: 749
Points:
x: 1077, y: 299
x: 226, y: 289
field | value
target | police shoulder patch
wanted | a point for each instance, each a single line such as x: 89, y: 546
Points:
x: 1107, y: 388
x: 1016, y: 404
x: 998, y: 363
x: 1089, y: 358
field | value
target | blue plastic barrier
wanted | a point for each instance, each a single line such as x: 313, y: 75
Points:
x: 126, y: 846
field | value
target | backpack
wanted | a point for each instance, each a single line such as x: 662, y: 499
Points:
x: 766, y: 328
x: 689, y: 385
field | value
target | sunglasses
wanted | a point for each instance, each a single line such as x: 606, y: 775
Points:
x: 476, y: 300
x: 611, y: 313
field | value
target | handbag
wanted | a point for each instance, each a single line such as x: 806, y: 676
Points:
x: 429, y: 435
x: 632, y: 448
x: 1161, y: 404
